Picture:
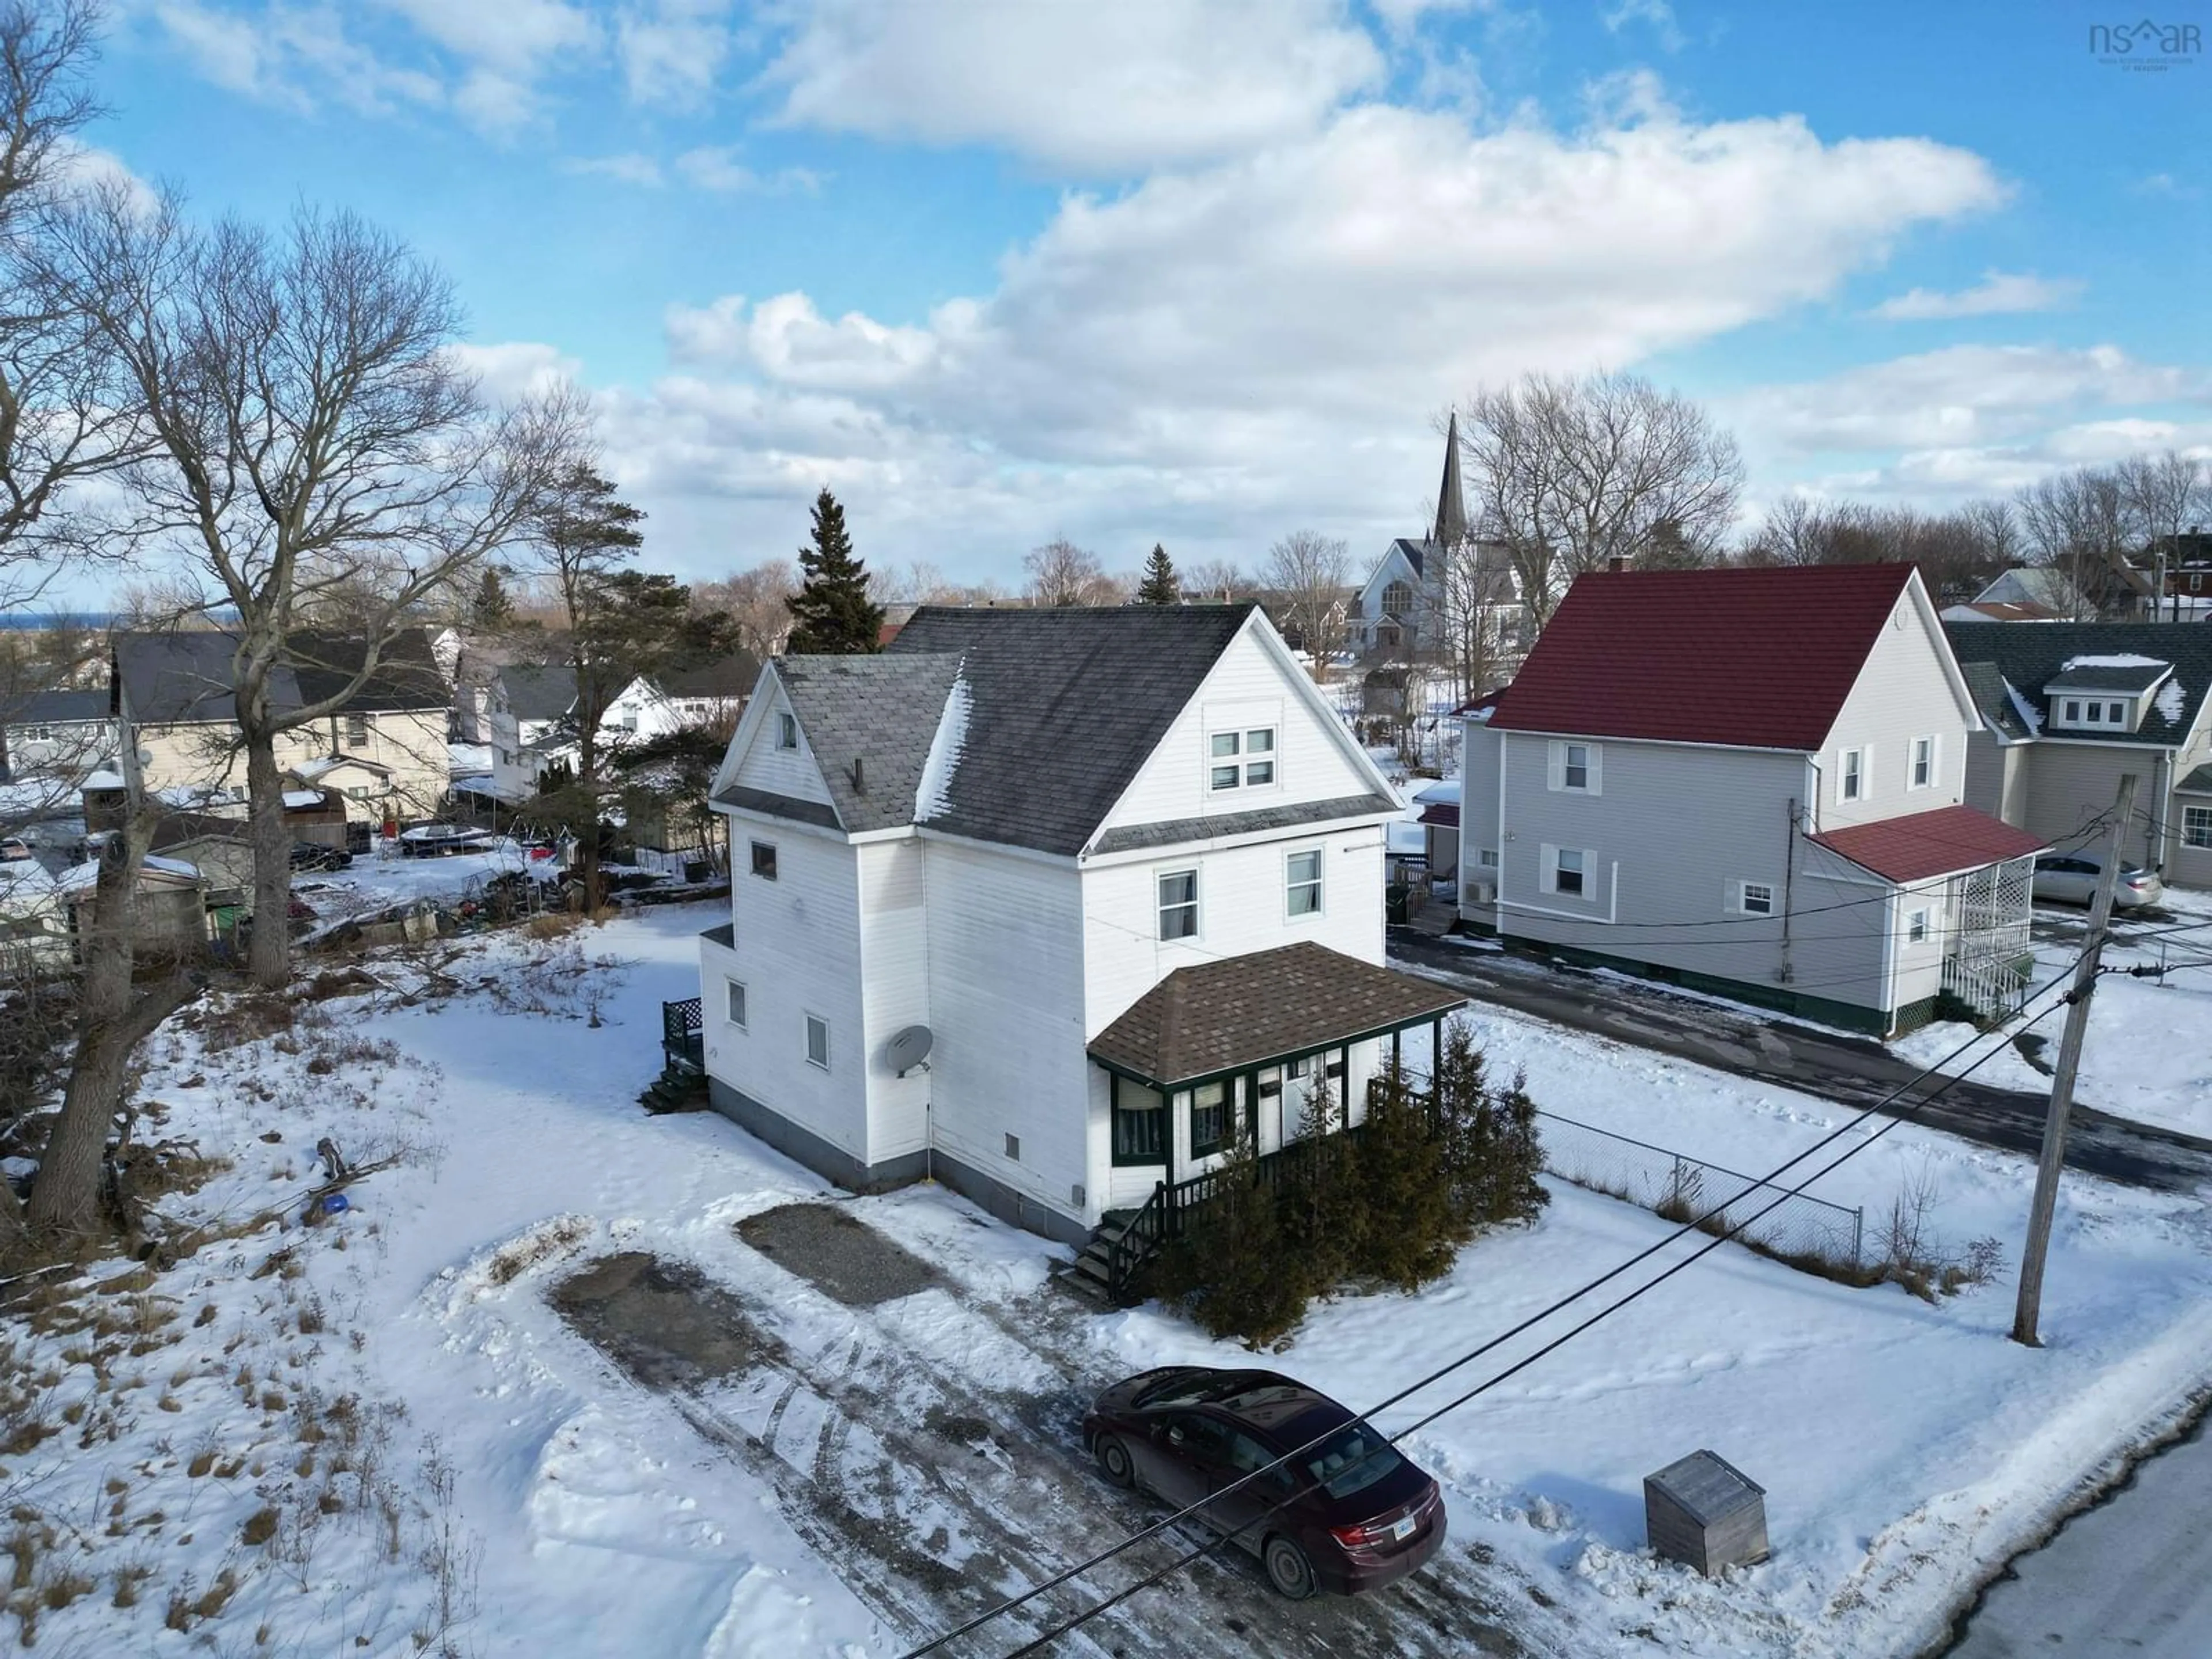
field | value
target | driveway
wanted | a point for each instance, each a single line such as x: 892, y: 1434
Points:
x: 927, y: 1445
x: 1855, y: 1071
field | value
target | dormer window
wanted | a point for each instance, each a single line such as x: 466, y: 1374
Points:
x: 2107, y: 695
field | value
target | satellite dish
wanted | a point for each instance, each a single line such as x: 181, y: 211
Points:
x: 145, y: 757
x: 909, y: 1048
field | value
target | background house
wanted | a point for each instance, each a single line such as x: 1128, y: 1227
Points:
x: 1750, y: 781
x: 170, y: 913
x: 388, y: 739
x: 1124, y: 865
x: 64, y: 729
x: 2069, y: 706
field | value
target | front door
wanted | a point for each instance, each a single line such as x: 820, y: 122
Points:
x: 1278, y: 1125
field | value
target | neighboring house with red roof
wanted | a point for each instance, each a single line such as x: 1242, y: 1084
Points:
x: 1752, y: 782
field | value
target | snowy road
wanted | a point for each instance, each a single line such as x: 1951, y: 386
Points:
x: 2132, y: 1576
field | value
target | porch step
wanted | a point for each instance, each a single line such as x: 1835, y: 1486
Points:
x: 677, y: 1089
x: 1090, y: 1274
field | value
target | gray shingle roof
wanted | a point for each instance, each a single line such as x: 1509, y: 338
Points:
x: 1173, y: 830
x: 2198, y: 782
x: 1066, y: 705
x: 1993, y: 697
x: 1216, y: 1017
x: 727, y: 676
x: 2032, y: 655
x: 882, y: 711
x: 539, y: 690
x: 2109, y: 676
x: 55, y: 707
x: 186, y: 675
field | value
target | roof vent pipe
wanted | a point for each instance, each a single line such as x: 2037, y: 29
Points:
x: 860, y: 784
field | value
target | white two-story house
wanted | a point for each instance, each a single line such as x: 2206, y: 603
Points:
x: 1751, y: 782
x: 1048, y: 905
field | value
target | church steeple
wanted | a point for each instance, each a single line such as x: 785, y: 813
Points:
x: 1451, y: 508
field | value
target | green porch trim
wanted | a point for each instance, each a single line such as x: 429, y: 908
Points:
x: 1778, y: 998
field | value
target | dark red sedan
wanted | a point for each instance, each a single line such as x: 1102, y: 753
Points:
x: 1351, y: 1514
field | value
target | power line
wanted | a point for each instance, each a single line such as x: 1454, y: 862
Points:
x: 1727, y: 1235
x: 1691, y: 1225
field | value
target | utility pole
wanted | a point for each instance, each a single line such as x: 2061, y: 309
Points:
x: 2061, y: 1082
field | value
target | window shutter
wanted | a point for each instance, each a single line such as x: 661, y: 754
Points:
x: 1597, y: 783
x: 1556, y: 775
x: 1549, y: 858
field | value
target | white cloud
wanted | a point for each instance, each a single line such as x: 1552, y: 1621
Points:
x: 80, y: 166
x: 1997, y: 293
x: 1961, y: 397
x: 672, y: 50
x: 628, y: 166
x: 716, y: 167
x: 1104, y: 88
x: 511, y: 370
x: 515, y: 36
x: 1262, y: 341
x: 1655, y: 14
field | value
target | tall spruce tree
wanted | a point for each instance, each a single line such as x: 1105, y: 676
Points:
x: 490, y: 611
x: 832, y: 614
x: 1161, y: 586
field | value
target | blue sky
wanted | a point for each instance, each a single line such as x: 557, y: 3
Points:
x: 1206, y: 272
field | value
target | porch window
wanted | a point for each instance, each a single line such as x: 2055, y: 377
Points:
x: 736, y: 993
x: 1141, y: 1125
x: 2196, y: 826
x: 1178, y: 901
x: 1209, y: 1118
x: 764, y: 859
x: 1305, y: 882
x: 817, y: 1042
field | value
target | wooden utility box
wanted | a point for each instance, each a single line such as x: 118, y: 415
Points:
x: 1706, y: 1513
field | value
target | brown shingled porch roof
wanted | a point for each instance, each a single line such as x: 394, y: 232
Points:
x: 1220, y: 1016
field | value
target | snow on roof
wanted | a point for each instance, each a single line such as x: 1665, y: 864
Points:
x: 2113, y: 659
x: 18, y: 876
x: 301, y: 799
x: 1406, y: 836
x: 934, y: 797
x: 104, y: 779
x: 1444, y: 789
x: 81, y: 878
x: 2170, y: 701
x: 2030, y: 715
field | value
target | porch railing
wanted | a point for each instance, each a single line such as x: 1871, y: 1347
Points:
x: 682, y: 1039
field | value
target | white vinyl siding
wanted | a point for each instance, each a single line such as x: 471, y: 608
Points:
x: 2196, y: 826
x: 1575, y: 769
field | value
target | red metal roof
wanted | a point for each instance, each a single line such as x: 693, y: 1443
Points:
x: 1925, y: 844
x: 1754, y: 658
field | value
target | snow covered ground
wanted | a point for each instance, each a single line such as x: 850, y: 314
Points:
x: 521, y: 1495
x: 2147, y: 1055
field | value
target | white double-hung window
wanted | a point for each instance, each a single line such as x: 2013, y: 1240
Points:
x: 1851, y: 775
x: 1923, y: 772
x: 1567, y: 871
x: 1302, y: 883
x: 1244, y: 759
x: 1574, y: 769
x: 1178, y: 903
x: 1755, y: 898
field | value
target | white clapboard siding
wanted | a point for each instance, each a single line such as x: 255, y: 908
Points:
x: 1250, y: 686
x: 1006, y: 995
x: 797, y: 948
x: 791, y: 772
x: 1241, y: 905
x: 895, y: 972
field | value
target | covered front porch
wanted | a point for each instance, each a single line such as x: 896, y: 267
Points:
x: 1268, y: 1047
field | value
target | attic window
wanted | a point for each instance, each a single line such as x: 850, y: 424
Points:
x: 1242, y: 759
x: 786, y: 731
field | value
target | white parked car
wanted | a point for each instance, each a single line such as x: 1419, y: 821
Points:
x: 2072, y: 878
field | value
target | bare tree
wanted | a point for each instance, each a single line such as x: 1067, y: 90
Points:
x: 63, y: 415
x: 1570, y: 473
x: 2076, y: 522
x: 313, y: 434
x: 2163, y: 495
x: 1956, y: 552
x: 759, y: 603
x: 1060, y: 573
x: 1309, y: 573
x: 1215, y: 579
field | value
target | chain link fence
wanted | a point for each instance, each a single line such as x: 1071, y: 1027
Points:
x: 1681, y: 1188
